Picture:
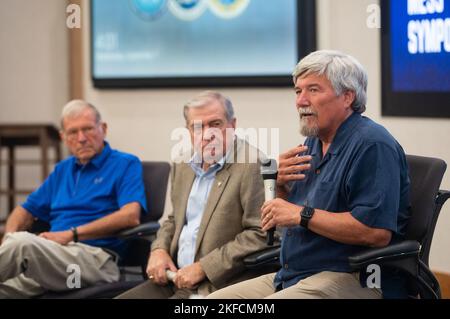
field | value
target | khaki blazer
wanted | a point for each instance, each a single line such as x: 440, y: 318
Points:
x: 230, y: 226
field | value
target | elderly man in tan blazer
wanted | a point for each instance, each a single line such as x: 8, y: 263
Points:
x: 216, y: 196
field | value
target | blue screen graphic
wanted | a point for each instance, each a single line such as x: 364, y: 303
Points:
x: 420, y: 45
x: 189, y: 38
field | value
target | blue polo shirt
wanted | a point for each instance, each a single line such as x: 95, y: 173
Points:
x: 364, y: 172
x: 75, y: 194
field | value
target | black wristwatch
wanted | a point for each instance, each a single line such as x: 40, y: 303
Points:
x: 305, y: 215
x: 75, y: 234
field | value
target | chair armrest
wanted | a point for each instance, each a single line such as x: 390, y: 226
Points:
x: 266, y: 257
x: 385, y: 255
x: 146, y: 229
x: 442, y: 197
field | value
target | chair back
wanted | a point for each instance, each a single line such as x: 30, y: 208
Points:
x: 425, y: 174
x: 156, y: 177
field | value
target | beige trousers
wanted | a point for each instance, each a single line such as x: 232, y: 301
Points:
x: 31, y: 265
x: 327, y: 284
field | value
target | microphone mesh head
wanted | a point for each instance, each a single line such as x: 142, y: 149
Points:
x: 269, y: 167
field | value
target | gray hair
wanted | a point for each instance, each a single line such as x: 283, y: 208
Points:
x: 343, y: 71
x: 207, y: 97
x: 75, y: 108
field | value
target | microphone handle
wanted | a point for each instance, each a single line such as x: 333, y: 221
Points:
x: 269, y: 187
x: 170, y: 274
x: 271, y: 236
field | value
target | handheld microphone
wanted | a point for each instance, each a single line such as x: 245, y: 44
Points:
x: 269, y: 174
x: 170, y: 274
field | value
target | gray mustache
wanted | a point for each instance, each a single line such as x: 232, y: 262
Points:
x: 303, y: 111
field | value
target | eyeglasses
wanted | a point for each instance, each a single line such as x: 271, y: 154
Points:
x: 198, y: 125
x: 89, y: 131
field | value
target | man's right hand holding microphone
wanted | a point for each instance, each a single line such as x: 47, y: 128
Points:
x: 278, y: 211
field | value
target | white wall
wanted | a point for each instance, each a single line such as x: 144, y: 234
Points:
x: 141, y: 121
x: 34, y: 80
x: 33, y: 60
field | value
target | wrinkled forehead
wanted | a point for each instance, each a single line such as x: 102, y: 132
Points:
x: 84, y: 117
x: 312, y: 78
x: 209, y: 111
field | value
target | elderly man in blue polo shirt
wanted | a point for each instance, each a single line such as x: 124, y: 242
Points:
x: 345, y: 189
x: 86, y: 199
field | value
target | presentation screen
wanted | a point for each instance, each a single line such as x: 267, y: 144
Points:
x: 147, y: 43
x: 416, y: 57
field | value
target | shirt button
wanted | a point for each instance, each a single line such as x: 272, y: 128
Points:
x: 289, y: 233
x: 286, y: 266
x: 317, y: 171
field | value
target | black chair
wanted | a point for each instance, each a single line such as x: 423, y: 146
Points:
x: 156, y: 176
x: 409, y: 256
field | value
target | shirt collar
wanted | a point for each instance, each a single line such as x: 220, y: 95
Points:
x: 196, y: 163
x: 343, y: 133
x: 98, y: 159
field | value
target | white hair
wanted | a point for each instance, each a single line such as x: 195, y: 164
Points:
x: 207, y: 97
x: 343, y: 71
x: 75, y: 108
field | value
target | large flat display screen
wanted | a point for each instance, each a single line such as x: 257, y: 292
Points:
x: 416, y: 57
x: 198, y: 42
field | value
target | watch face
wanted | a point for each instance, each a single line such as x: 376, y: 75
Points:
x: 307, y: 212
x: 306, y: 215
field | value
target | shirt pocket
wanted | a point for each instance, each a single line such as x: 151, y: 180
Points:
x: 326, y: 185
x: 325, y: 195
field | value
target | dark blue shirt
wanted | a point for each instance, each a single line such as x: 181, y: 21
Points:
x: 365, y: 173
x: 75, y: 194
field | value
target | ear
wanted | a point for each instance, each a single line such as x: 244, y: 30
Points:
x: 349, y: 98
x: 104, y: 128
x: 233, y: 123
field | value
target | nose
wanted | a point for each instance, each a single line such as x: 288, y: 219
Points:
x: 208, y: 134
x: 81, y: 136
x: 302, y: 100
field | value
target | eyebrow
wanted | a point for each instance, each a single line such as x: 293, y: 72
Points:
x: 308, y: 86
x: 208, y: 122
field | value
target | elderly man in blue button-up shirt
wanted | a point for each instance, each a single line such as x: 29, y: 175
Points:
x: 86, y: 199
x: 345, y: 189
